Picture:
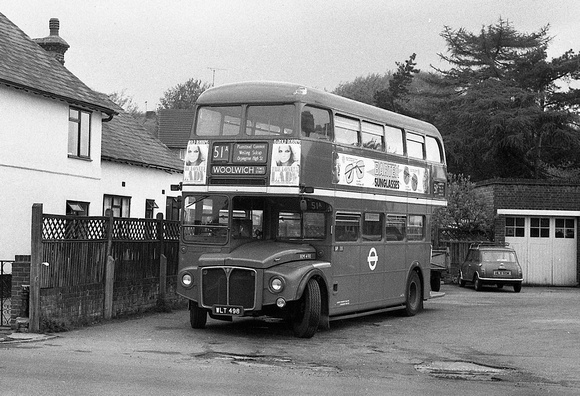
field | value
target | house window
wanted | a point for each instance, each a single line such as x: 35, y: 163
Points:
x: 77, y: 208
x: 119, y: 205
x: 515, y: 226
x: 150, y: 206
x: 540, y: 227
x: 79, y: 133
x: 565, y: 228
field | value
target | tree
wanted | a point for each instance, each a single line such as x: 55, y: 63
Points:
x: 363, y: 89
x: 466, y: 211
x: 183, y: 96
x: 500, y: 106
x: 395, y: 97
x: 126, y: 102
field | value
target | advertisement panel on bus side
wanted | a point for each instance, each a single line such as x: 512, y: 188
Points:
x: 351, y: 170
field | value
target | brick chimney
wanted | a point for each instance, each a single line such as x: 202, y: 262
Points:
x: 54, y: 43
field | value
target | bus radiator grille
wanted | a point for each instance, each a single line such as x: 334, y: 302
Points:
x: 228, y: 286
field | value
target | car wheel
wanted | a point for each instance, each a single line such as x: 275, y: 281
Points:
x: 517, y: 287
x: 435, y: 281
x: 197, y: 316
x: 460, y: 280
x: 414, y: 295
x: 477, y: 283
x: 306, y: 317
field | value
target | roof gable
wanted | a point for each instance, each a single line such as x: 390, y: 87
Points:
x: 175, y: 127
x: 26, y: 65
x: 125, y: 140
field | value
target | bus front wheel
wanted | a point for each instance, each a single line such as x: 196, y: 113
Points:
x: 414, y: 295
x: 197, y: 316
x: 306, y: 315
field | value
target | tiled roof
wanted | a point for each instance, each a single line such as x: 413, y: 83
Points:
x: 26, y: 65
x: 175, y: 127
x: 125, y: 140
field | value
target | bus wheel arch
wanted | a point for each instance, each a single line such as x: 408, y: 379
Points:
x: 414, y: 293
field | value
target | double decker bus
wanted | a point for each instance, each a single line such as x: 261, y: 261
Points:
x: 303, y: 205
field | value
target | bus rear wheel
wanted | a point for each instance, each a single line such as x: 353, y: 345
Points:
x: 306, y: 316
x: 414, y: 295
x: 197, y: 316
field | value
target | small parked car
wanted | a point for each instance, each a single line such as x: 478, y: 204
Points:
x: 491, y: 264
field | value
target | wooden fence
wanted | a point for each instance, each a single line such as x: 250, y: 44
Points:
x: 75, y: 249
x: 101, y: 266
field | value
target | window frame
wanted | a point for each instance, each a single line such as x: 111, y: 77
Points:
x: 515, y: 227
x: 79, y: 133
x: 124, y: 210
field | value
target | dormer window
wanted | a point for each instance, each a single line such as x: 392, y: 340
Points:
x: 79, y: 133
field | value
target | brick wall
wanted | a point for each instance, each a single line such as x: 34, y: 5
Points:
x: 81, y: 305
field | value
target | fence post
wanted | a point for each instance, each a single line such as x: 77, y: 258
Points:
x: 109, y: 269
x: 35, y: 263
x: 162, y: 260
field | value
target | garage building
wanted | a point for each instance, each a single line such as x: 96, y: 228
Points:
x: 539, y: 219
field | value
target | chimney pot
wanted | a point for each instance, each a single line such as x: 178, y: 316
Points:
x: 53, y: 25
x: 54, y: 43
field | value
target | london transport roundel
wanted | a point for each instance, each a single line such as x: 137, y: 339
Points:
x: 373, y: 259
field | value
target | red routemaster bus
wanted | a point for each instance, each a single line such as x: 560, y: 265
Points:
x: 304, y: 205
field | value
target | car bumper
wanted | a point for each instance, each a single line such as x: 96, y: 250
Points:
x: 502, y: 280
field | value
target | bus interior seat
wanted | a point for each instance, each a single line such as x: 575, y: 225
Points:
x: 393, y: 234
x: 242, y: 228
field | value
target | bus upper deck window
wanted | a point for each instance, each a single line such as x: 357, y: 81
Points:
x: 415, y: 145
x: 270, y: 120
x: 346, y: 130
x: 315, y: 123
x: 372, y: 136
x: 393, y: 140
x: 218, y: 121
x: 433, y: 149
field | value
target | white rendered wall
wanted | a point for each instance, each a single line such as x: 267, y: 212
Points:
x: 140, y: 184
x: 35, y: 167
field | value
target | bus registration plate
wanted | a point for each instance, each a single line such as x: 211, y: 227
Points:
x: 231, y: 310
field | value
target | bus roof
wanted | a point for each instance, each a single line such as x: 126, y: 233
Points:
x: 282, y: 92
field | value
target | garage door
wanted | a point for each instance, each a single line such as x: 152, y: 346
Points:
x: 546, y: 248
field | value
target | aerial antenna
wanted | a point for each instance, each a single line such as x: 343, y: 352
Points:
x: 213, y: 70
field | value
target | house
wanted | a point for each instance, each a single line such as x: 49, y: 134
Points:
x: 69, y: 147
x: 175, y: 128
x: 539, y: 219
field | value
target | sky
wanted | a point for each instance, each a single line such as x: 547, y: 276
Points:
x: 142, y: 48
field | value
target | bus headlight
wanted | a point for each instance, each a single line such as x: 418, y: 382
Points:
x: 276, y: 284
x: 187, y: 280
